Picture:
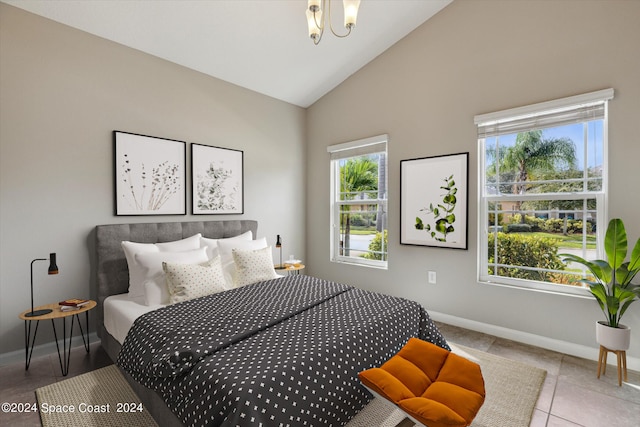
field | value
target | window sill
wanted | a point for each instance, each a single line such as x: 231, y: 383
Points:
x: 378, y: 266
x: 568, y: 291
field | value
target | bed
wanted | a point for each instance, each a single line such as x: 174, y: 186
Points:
x: 283, y: 351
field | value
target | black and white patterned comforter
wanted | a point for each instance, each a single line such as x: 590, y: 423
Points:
x: 284, y: 352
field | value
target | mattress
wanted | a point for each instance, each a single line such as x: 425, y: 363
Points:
x: 120, y: 312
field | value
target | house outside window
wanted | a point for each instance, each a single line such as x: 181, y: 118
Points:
x: 359, y: 202
x: 542, y: 192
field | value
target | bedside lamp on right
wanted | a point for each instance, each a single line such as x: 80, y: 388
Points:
x: 279, y: 246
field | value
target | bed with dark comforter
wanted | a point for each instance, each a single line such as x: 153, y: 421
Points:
x: 283, y: 352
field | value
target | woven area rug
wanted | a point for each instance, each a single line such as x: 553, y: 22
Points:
x: 92, y: 391
x: 512, y: 391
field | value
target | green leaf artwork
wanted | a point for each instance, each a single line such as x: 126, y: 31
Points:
x: 442, y: 212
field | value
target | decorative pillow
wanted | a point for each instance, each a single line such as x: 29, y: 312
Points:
x: 253, y: 266
x: 189, y: 281
x: 154, y: 282
x: 136, y: 272
x: 212, y: 244
x: 226, y: 246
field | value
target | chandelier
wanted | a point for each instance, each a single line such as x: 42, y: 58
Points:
x: 316, y: 15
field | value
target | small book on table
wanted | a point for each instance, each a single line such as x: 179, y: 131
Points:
x: 74, y: 302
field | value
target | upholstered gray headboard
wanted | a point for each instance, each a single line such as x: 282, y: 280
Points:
x: 112, y: 271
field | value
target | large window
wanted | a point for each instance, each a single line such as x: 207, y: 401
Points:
x: 543, y: 186
x: 359, y: 202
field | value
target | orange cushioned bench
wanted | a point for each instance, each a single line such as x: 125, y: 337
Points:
x: 433, y: 386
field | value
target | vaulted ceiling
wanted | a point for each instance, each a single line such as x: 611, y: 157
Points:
x: 262, y: 45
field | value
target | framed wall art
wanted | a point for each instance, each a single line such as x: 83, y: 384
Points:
x: 217, y: 179
x: 434, y: 197
x: 150, y: 175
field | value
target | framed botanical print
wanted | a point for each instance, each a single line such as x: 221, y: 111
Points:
x: 434, y: 197
x: 217, y: 180
x: 150, y: 175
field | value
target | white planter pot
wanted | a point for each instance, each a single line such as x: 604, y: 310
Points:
x: 613, y: 338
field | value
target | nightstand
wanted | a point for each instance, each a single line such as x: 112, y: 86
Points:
x: 290, y: 268
x: 57, y: 313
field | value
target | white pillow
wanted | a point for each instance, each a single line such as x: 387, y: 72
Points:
x: 136, y: 273
x: 212, y: 244
x: 253, y: 266
x: 227, y: 245
x: 189, y: 281
x: 154, y: 282
x: 186, y: 244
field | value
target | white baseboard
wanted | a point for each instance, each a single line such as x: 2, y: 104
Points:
x: 42, y: 350
x: 578, y: 350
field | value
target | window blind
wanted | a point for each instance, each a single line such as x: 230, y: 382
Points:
x: 576, y: 109
x: 361, y: 147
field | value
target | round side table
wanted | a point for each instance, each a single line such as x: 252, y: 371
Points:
x: 56, y: 313
x: 290, y: 268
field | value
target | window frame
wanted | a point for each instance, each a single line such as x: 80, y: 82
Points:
x: 488, y: 124
x: 348, y: 150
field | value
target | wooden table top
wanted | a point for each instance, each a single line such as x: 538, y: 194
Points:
x: 290, y: 267
x: 56, y: 313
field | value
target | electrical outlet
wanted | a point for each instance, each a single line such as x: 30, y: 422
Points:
x: 432, y: 277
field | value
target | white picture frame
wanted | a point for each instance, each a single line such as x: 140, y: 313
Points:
x: 434, y: 199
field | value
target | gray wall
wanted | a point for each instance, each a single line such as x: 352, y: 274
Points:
x: 63, y: 92
x: 473, y: 58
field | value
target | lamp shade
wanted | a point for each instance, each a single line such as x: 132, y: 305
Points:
x: 313, y: 19
x: 350, y: 12
x: 53, y: 267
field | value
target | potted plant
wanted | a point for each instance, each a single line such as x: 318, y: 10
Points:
x: 611, y: 285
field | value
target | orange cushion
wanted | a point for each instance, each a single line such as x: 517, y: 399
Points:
x: 433, y: 385
x: 426, y: 356
x: 408, y: 374
x: 462, y: 372
x: 463, y: 402
x: 385, y: 384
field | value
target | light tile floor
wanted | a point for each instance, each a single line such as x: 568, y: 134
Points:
x: 571, y: 396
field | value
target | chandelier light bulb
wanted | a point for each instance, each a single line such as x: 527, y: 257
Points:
x: 350, y: 13
x: 316, y: 15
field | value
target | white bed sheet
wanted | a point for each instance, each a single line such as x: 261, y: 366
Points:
x: 120, y: 312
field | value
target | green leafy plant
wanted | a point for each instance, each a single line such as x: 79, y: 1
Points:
x: 610, y: 283
x: 376, y: 249
x: 442, y: 213
x: 526, y: 251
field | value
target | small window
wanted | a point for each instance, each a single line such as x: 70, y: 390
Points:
x: 543, y: 187
x: 359, y: 202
